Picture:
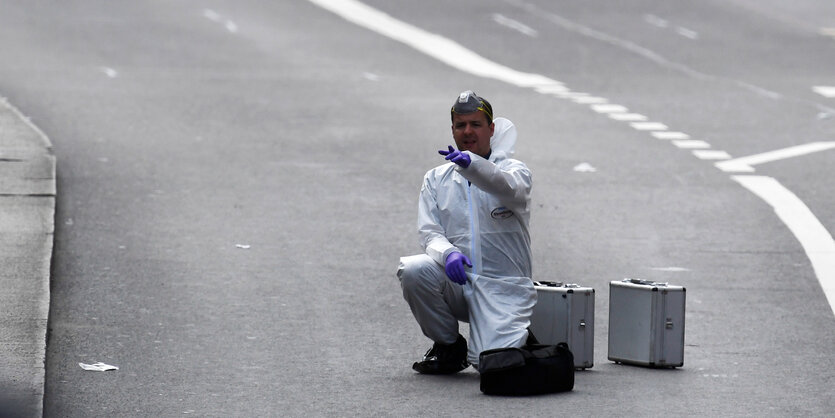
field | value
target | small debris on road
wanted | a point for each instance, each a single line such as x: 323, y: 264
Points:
x: 97, y: 367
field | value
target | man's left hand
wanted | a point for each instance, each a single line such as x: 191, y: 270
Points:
x: 454, y: 267
x: 458, y: 157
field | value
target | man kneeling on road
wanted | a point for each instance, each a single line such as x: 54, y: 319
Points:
x: 473, y: 218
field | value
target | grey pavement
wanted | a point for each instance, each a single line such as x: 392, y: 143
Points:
x: 184, y: 129
x: 27, y: 217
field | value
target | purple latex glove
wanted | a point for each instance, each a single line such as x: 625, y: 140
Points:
x: 456, y: 156
x: 455, y: 267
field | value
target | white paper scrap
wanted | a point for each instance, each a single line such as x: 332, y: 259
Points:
x: 97, y: 367
x: 243, y: 246
x: 584, y: 168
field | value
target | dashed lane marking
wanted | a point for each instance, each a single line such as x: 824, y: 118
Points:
x: 609, y: 108
x: 590, y: 100
x: 628, y: 117
x: 670, y: 135
x: 515, y: 25
x: 664, y: 24
x: 656, y: 21
x: 687, y: 33
x: 709, y: 154
x: 557, y: 88
x: 218, y: 18
x: 691, y: 143
x: 649, y: 126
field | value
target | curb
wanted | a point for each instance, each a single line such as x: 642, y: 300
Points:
x: 27, y: 224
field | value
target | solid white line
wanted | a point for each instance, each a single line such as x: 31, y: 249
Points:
x: 744, y: 164
x: 815, y: 239
x: 825, y: 91
x: 438, y: 47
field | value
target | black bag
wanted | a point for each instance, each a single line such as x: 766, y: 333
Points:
x: 531, y: 370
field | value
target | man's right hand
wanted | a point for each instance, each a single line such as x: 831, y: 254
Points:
x: 456, y: 156
x: 455, y: 267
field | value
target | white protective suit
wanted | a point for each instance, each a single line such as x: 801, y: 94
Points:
x: 482, y: 211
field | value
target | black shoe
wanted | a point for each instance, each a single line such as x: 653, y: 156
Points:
x: 444, y: 359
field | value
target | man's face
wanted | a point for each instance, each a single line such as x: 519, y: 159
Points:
x: 472, y: 132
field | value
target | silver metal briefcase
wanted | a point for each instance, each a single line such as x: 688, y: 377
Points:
x: 646, y: 323
x: 565, y: 313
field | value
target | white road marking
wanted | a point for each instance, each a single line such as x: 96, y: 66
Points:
x: 552, y: 89
x: 211, y: 15
x: 656, y: 21
x: 370, y: 76
x: 515, y: 25
x: 825, y: 91
x: 744, y: 164
x: 815, y: 239
x: 109, y: 72
x: 687, y: 33
x: 571, y: 94
x: 827, y: 32
x: 649, y: 126
x: 217, y: 18
x: 584, y: 168
x: 711, y: 154
x: 670, y: 269
x: 628, y: 117
x: 690, y: 143
x: 442, y: 49
x: 609, y: 108
x: 590, y: 100
x: 670, y: 135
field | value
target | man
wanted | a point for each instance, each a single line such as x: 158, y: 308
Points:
x: 473, y: 218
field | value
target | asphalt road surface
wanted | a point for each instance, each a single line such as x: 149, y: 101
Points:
x: 237, y: 180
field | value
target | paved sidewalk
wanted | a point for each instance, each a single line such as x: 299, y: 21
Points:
x: 27, y: 220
